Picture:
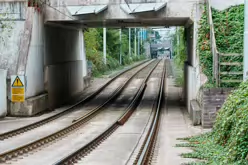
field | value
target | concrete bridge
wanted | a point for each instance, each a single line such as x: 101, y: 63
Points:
x: 48, y: 46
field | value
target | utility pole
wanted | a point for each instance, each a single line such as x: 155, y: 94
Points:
x: 178, y: 41
x: 245, y: 72
x: 129, y: 41
x: 120, y: 48
x: 138, y: 43
x: 135, y: 45
x: 104, y: 46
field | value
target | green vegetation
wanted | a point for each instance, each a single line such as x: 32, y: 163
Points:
x: 94, y: 50
x: 204, y: 50
x: 229, y: 30
x: 228, y: 142
x: 180, y: 55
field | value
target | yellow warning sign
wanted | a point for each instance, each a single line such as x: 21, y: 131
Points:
x: 18, y: 91
x: 17, y: 88
x: 17, y: 82
x: 18, y: 98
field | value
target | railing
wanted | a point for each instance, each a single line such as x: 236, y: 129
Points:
x: 217, y: 55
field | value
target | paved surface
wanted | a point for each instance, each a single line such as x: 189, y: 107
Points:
x: 175, y: 123
x: 11, y: 123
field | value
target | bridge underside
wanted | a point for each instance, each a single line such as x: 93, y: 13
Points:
x: 117, y: 23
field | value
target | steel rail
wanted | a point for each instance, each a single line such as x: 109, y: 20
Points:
x: 29, y: 127
x: 86, y: 149
x: 146, y: 150
x: 8, y: 155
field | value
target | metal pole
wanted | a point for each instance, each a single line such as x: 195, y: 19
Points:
x: 138, y: 43
x: 245, y: 72
x: 104, y: 46
x: 135, y: 45
x: 120, y: 48
x: 129, y: 42
x: 178, y: 41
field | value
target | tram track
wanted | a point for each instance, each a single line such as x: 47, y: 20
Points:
x: 42, y: 122
x: 146, y: 151
x: 59, y: 134
x: 75, y: 156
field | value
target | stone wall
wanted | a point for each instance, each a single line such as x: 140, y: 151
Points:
x: 211, y: 101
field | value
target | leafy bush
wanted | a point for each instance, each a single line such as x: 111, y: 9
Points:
x: 228, y: 142
x: 229, y: 30
x: 205, y: 54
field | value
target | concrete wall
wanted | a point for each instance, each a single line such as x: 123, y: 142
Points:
x: 35, y: 61
x: 3, y: 94
x: 174, y: 9
x: 64, y: 59
x: 10, y: 37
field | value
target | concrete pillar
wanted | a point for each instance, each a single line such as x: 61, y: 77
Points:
x: 64, y: 59
x: 3, y: 93
x: 83, y: 53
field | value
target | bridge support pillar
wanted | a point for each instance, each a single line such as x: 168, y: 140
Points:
x: 65, y: 63
x: 191, y: 68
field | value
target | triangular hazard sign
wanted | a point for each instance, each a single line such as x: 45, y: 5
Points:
x: 17, y: 82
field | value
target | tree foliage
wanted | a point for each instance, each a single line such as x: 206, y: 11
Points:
x: 94, y: 49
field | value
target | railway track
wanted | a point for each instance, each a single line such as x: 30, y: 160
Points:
x: 24, y: 149
x: 77, y: 155
x: 32, y: 126
x: 146, y: 151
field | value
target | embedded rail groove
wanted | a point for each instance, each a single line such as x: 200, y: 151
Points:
x: 29, y: 127
x: 146, y: 152
x: 86, y: 149
x: 63, y: 132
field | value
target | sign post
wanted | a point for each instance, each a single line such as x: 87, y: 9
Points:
x: 17, y: 89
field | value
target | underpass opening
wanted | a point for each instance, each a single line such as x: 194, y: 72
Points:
x: 83, y: 21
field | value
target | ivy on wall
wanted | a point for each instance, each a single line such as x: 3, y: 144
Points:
x: 206, y: 59
x: 229, y: 31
